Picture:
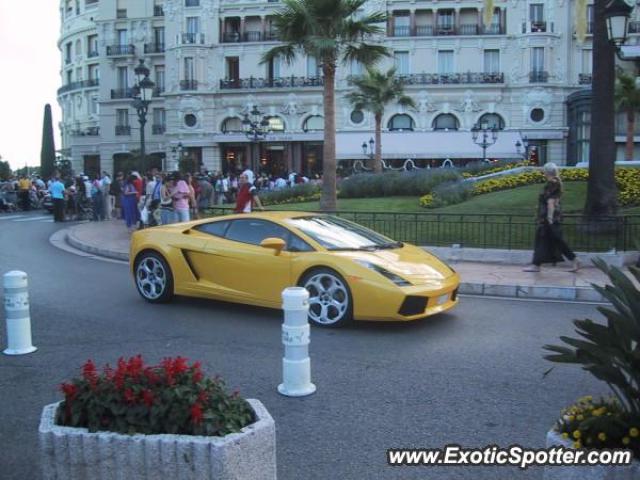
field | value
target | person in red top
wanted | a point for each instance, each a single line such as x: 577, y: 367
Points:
x: 247, y: 194
x: 137, y: 183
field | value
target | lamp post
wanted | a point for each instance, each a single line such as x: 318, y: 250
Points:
x: 371, y: 152
x: 488, y: 137
x: 143, y: 91
x: 256, y: 128
x: 616, y: 15
x: 176, y: 152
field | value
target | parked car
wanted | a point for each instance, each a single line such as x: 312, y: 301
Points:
x: 351, y: 272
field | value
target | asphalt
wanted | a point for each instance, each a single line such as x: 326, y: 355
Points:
x: 473, y: 376
x: 482, y: 276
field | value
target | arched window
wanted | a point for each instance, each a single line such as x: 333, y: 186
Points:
x: 445, y: 121
x: 231, y: 125
x: 400, y: 122
x: 313, y: 123
x: 276, y: 124
x: 492, y: 120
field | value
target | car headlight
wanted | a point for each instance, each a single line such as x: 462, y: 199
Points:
x: 399, y: 281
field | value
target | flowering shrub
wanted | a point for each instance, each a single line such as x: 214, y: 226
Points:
x: 173, y: 397
x: 600, y: 424
x: 426, y: 201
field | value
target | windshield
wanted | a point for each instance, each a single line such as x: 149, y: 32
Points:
x: 335, y: 233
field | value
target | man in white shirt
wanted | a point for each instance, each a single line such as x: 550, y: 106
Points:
x: 107, y: 200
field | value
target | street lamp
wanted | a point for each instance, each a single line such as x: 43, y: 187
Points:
x: 369, y: 153
x: 616, y: 15
x: 143, y: 91
x: 255, y: 127
x: 488, y: 138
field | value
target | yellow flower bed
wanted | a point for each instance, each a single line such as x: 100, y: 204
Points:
x: 502, y: 168
x: 627, y: 180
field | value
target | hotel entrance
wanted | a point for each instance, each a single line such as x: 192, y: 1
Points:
x: 274, y: 160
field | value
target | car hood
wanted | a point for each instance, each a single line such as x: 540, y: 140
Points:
x: 409, y: 262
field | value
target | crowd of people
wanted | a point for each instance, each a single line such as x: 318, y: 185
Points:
x: 157, y: 198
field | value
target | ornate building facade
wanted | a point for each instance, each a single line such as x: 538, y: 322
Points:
x: 204, y: 57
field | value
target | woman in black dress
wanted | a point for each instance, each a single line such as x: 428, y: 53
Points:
x: 549, y: 246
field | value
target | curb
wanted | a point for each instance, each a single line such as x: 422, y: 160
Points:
x: 103, y: 252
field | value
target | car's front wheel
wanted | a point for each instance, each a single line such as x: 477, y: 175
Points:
x: 154, y: 279
x: 330, y: 301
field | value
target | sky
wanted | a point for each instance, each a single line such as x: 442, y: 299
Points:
x: 29, y: 77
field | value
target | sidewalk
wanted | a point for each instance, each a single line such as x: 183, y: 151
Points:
x: 110, y: 239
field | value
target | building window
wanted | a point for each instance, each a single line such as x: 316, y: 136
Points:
x: 123, y: 37
x: 191, y: 3
x: 67, y: 53
x: 94, y: 106
x: 123, y: 78
x: 276, y: 124
x: 273, y: 68
x: 400, y: 122
x: 446, y: 122
x: 159, y: 77
x: 121, y: 13
x: 583, y: 136
x: 587, y: 61
x: 313, y: 67
x: 92, y: 46
x: 537, y: 115
x: 313, y: 123
x: 190, y: 120
x: 232, y: 125
x: 158, y: 36
x: 94, y: 72
x: 122, y: 122
x: 401, y: 25
x: 401, y: 61
x: 492, y: 61
x: 537, y: 59
x: 189, y: 70
x: 491, y: 120
x: 536, y: 13
x: 159, y: 121
x: 193, y: 25
x: 357, y: 117
x: 445, y: 21
x: 445, y: 62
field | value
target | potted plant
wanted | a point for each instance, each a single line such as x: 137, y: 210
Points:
x: 611, y: 353
x: 162, y: 421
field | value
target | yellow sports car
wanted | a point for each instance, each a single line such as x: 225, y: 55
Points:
x: 351, y: 272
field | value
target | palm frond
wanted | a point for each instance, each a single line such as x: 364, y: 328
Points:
x: 285, y: 52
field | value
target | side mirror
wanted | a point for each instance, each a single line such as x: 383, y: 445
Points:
x: 276, y: 244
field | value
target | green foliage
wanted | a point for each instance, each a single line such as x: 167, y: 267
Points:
x: 304, y: 192
x: 451, y: 193
x: 627, y: 95
x: 610, y: 352
x: 5, y: 170
x: 395, y: 183
x: 48, y: 149
x: 173, y: 397
x: 375, y: 90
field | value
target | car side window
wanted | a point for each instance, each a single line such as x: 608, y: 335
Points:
x: 254, y: 231
x: 217, y: 229
x: 296, y: 244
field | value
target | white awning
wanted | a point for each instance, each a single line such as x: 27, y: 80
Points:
x: 404, y: 145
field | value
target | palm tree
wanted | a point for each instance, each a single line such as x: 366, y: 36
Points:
x: 627, y: 97
x: 374, y: 91
x: 332, y: 31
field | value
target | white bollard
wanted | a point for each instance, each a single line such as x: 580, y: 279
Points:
x: 296, y: 364
x: 16, y: 308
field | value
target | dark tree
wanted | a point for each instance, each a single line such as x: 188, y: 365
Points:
x: 48, y: 150
x: 601, y: 187
x: 5, y: 170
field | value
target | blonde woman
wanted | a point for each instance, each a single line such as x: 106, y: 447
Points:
x: 549, y: 246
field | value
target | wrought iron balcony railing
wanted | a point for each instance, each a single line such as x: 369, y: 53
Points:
x: 188, y: 84
x: 123, y: 130
x: 192, y: 38
x: 158, y: 129
x: 120, y: 93
x: 78, y: 85
x: 154, y: 48
x: 115, y: 50
x: 538, y: 77
x: 280, y: 82
x: 449, y: 78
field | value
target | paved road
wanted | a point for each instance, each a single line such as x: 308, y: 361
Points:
x: 473, y: 376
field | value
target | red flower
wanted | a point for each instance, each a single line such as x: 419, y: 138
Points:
x: 135, y: 366
x: 151, y: 375
x: 129, y: 396
x: 180, y: 365
x: 147, y: 397
x: 90, y: 373
x: 203, y: 396
x: 197, y: 373
x: 196, y: 413
x: 70, y: 391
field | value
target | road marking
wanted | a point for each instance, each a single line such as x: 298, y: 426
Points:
x: 11, y: 216
x: 31, y: 219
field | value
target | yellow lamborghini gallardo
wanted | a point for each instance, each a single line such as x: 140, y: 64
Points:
x: 351, y: 272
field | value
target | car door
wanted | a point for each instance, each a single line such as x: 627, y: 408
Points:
x: 238, y: 268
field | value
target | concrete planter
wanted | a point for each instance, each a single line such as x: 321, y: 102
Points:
x: 76, y: 454
x: 587, y: 472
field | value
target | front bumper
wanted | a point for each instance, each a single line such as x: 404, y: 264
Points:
x: 392, y: 303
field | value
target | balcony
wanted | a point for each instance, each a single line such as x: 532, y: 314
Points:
x: 537, y: 27
x: 87, y: 132
x: 78, y: 85
x: 158, y: 91
x: 450, y: 78
x: 469, y: 29
x: 585, y: 79
x: 634, y: 27
x: 158, y: 129
x: 120, y: 50
x: 271, y: 36
x: 93, y: 54
x: 123, y: 130
x: 231, y: 37
x: 236, y: 37
x: 120, y: 93
x: 402, y: 31
x: 188, y: 85
x: 192, y: 38
x: 424, y: 31
x: 447, y: 30
x: 153, y: 48
x: 283, y: 82
x: 538, y: 77
x: 158, y: 11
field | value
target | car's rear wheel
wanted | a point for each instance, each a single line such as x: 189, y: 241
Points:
x: 154, y: 279
x: 330, y: 300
